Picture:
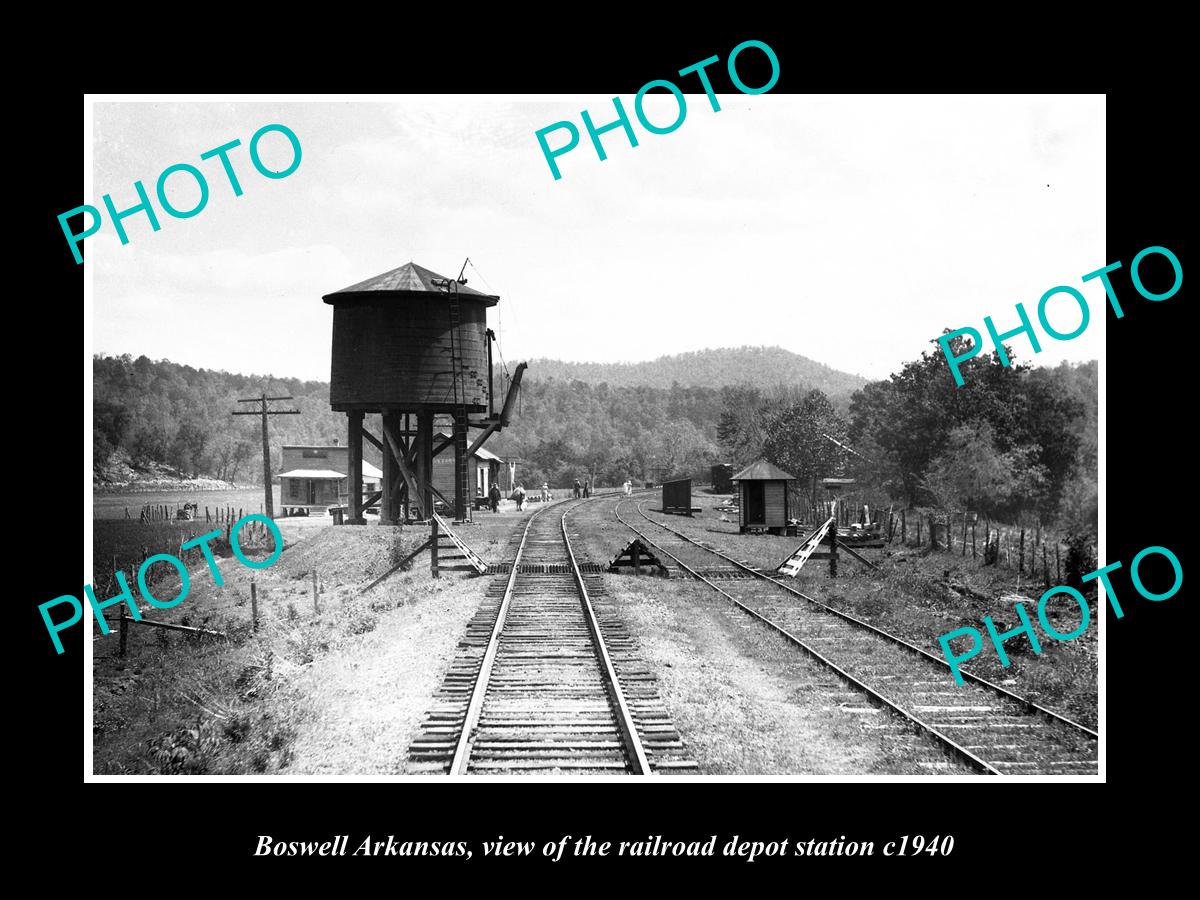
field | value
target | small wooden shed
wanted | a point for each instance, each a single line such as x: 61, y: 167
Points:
x: 763, y: 497
x: 677, y: 497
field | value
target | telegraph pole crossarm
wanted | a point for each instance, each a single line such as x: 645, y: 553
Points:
x: 263, y: 411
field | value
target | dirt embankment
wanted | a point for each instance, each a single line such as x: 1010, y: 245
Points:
x: 334, y: 686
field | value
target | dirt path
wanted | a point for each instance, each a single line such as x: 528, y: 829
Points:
x: 365, y: 702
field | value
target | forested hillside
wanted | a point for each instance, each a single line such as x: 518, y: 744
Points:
x: 630, y: 419
x: 145, y: 411
x: 1014, y: 441
x: 765, y: 368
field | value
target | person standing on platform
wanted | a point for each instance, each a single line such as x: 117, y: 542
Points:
x: 628, y: 487
x: 545, y: 492
x: 577, y: 489
x: 519, y: 496
x: 587, y: 487
x: 494, y: 497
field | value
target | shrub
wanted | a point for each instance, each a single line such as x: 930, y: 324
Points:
x: 361, y: 623
x: 1081, y: 557
x: 187, y: 751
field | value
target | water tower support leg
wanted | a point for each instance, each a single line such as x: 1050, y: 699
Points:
x: 406, y: 442
x: 391, y: 473
x: 355, y: 486
x: 461, y: 477
x: 425, y: 462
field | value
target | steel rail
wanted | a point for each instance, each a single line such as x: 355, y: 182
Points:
x: 961, y: 752
x: 462, y: 749
x: 633, y: 743
x: 1029, y: 704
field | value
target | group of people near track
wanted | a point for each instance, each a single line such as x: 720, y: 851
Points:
x: 580, y: 490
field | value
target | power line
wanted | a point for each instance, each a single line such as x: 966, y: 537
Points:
x: 847, y: 449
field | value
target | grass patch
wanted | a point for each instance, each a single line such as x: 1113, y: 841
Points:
x: 179, y: 704
x: 908, y: 596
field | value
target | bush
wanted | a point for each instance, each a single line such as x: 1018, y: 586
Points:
x: 187, y: 751
x: 361, y: 623
x: 1081, y: 557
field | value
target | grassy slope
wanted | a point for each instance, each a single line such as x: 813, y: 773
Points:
x: 903, y: 597
x: 334, y: 690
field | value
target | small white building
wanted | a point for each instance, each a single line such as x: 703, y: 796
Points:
x: 317, y: 478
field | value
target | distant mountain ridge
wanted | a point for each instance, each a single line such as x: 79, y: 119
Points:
x: 762, y: 367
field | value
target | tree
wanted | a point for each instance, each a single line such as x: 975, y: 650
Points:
x: 680, y: 447
x: 797, y: 440
x: 742, y: 427
x: 1035, y: 417
x: 972, y: 473
x: 188, y: 449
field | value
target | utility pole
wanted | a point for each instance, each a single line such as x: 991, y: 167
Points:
x: 263, y: 411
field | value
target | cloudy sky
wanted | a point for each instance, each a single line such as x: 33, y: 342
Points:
x: 848, y: 229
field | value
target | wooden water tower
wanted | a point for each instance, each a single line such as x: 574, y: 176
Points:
x: 411, y: 345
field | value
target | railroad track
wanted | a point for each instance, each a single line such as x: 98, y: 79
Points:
x: 980, y: 724
x: 542, y: 683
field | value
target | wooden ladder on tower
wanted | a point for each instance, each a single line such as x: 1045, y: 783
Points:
x: 459, y: 432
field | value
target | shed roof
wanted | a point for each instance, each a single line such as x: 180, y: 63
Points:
x: 480, y: 453
x: 369, y: 471
x: 410, y: 280
x: 311, y: 473
x: 762, y: 471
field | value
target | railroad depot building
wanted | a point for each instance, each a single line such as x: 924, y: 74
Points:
x: 315, y: 478
x: 762, y: 497
x: 483, y: 470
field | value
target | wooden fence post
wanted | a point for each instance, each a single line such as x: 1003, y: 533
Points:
x: 918, y: 530
x: 1057, y: 565
x: 253, y: 604
x: 833, y: 550
x: 903, y: 530
x: 973, y: 526
x: 1021, y: 554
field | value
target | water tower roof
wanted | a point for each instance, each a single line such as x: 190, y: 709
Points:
x: 410, y: 280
